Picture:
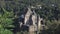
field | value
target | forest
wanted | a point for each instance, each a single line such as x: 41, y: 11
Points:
x: 11, y: 10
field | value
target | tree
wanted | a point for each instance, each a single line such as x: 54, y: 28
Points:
x: 6, y: 22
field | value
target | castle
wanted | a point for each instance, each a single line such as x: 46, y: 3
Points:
x: 31, y: 20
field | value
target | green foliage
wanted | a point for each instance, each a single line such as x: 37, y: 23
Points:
x: 7, y: 14
x: 6, y: 18
x: 6, y: 21
x: 5, y: 31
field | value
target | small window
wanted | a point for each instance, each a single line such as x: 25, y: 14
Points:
x: 42, y: 22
